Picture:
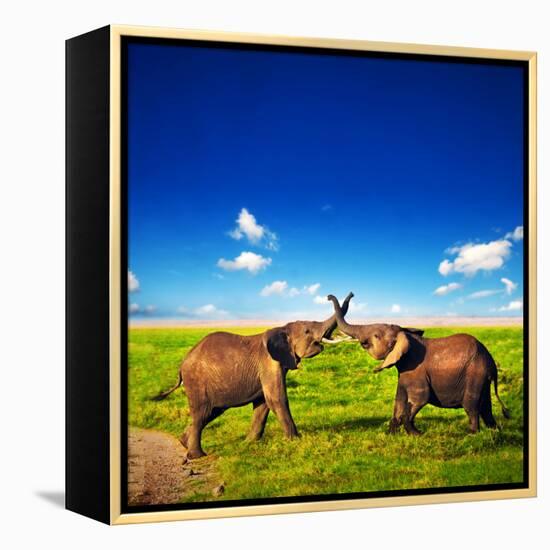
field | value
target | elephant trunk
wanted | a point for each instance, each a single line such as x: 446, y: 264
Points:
x: 351, y: 330
x: 330, y: 324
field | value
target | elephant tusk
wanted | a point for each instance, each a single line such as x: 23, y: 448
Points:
x: 338, y: 340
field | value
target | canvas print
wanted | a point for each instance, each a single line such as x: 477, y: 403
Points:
x: 326, y: 274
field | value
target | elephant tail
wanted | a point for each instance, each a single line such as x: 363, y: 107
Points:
x: 166, y: 393
x: 505, y: 411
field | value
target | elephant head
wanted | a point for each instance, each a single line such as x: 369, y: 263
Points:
x: 301, y: 339
x: 381, y: 341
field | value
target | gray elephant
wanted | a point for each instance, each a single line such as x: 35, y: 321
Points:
x: 451, y: 372
x: 227, y: 370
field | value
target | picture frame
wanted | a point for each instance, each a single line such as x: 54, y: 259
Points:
x: 98, y: 181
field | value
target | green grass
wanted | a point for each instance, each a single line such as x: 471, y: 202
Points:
x: 342, y: 410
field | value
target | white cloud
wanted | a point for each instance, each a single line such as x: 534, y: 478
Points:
x: 281, y: 288
x: 445, y: 267
x: 472, y: 258
x: 133, y: 283
x: 136, y: 308
x: 248, y: 227
x: 515, y: 305
x: 395, y: 308
x: 312, y: 289
x: 446, y: 289
x: 276, y: 287
x: 483, y: 294
x: 250, y: 261
x: 516, y: 234
x: 510, y: 285
x: 203, y: 310
x: 322, y: 300
x: 210, y: 310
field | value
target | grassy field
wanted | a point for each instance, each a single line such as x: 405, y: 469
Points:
x: 342, y: 410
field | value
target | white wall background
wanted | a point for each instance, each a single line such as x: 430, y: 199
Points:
x: 32, y: 270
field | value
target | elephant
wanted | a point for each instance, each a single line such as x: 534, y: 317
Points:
x: 227, y: 370
x: 450, y: 372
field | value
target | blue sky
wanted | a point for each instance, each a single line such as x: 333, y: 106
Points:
x: 259, y: 182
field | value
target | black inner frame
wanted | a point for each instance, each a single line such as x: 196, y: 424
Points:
x: 125, y: 508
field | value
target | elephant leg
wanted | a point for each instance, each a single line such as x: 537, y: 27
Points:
x: 471, y: 406
x: 414, y: 409
x: 486, y: 408
x: 277, y: 401
x: 259, y: 419
x: 473, y: 416
x: 473, y: 397
x: 184, y: 439
x: 192, y: 437
x: 399, y: 408
x: 408, y: 418
x: 416, y: 399
x: 476, y: 391
x: 281, y: 409
x: 395, y: 422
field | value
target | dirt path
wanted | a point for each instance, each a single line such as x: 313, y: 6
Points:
x: 159, y: 472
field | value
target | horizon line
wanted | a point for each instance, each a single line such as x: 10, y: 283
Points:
x: 427, y: 321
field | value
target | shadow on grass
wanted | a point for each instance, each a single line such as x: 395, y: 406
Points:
x: 361, y: 422
x: 432, y: 423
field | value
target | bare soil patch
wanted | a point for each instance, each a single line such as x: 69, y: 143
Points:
x: 159, y: 472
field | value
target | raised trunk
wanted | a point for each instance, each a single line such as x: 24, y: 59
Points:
x: 346, y: 328
x: 330, y: 324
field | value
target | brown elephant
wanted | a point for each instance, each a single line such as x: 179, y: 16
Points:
x: 227, y: 370
x: 451, y: 372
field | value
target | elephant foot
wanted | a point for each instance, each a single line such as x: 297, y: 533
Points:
x: 191, y: 453
x: 254, y: 437
x: 393, y: 427
x: 293, y: 435
x: 194, y: 454
x: 414, y: 431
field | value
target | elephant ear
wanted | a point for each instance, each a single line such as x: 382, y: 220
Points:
x: 278, y: 347
x: 400, y: 348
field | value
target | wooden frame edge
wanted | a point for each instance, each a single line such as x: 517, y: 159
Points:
x: 116, y: 32
x: 115, y: 278
x: 336, y: 43
x: 326, y: 506
x: 532, y: 185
